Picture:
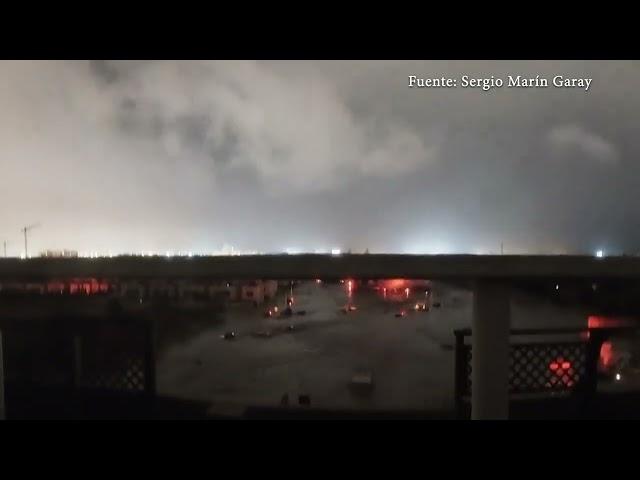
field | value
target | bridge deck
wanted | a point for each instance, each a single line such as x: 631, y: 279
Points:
x: 328, y: 266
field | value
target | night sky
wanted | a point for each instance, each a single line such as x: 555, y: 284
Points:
x: 309, y: 156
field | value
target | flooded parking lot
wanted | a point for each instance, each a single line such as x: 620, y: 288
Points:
x: 409, y: 359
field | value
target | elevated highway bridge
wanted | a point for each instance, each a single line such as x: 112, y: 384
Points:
x: 311, y: 266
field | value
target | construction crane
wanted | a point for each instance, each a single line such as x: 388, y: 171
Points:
x: 24, y: 231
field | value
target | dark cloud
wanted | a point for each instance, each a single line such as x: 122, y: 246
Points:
x: 311, y: 155
x: 104, y: 71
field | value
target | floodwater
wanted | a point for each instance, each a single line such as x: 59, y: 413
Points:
x: 410, y: 358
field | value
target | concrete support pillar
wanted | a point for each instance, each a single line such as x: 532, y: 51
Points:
x: 490, y: 351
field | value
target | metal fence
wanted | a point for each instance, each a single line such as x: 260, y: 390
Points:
x: 542, y: 362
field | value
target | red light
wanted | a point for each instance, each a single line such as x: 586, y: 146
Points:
x: 595, y: 321
x: 606, y: 354
x: 560, y: 367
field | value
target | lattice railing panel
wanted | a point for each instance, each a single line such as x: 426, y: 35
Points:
x: 544, y: 367
x: 538, y: 367
x: 124, y: 372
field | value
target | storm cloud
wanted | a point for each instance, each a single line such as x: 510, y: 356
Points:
x: 176, y: 155
x: 570, y: 137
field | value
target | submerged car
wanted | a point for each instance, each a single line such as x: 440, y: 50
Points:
x: 262, y: 334
x: 420, y: 307
x: 229, y: 335
x: 361, y: 382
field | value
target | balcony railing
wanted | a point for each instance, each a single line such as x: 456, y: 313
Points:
x: 542, y: 363
x: 71, y: 359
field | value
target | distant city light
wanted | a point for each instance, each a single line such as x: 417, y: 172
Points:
x: 599, y: 254
x: 618, y: 377
x: 434, y: 247
x: 335, y: 251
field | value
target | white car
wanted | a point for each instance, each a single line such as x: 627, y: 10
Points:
x: 362, y: 381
